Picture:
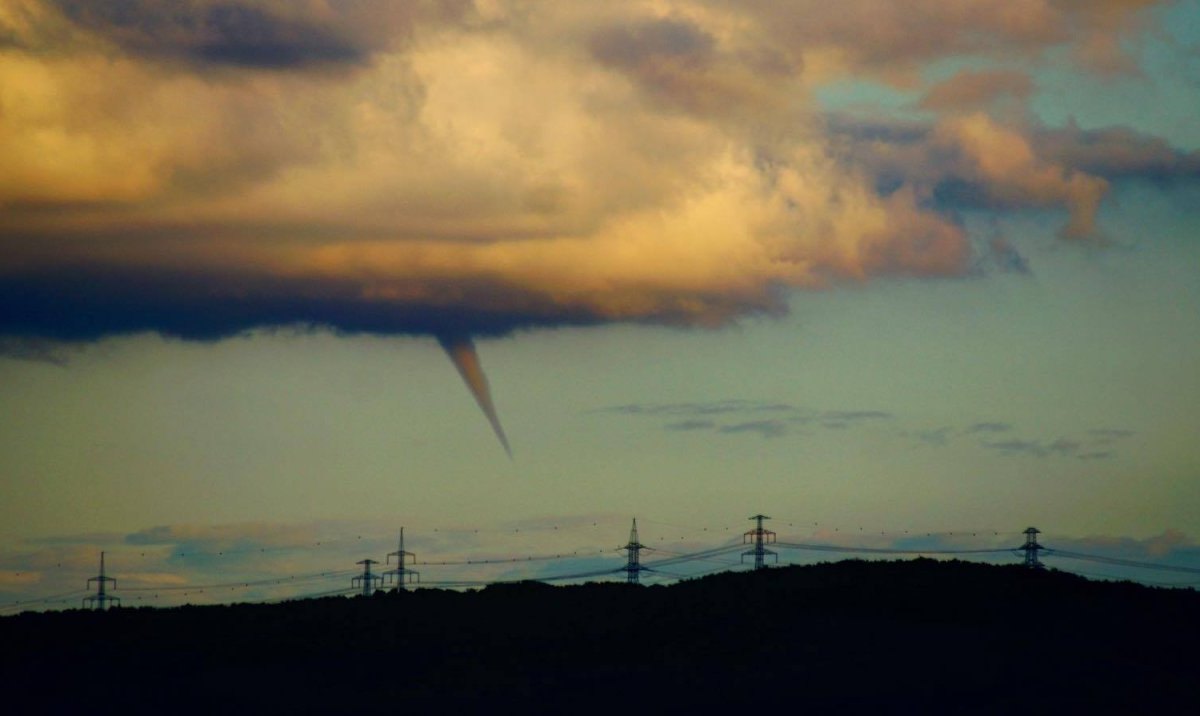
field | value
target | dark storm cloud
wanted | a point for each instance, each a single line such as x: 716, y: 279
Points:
x: 246, y: 33
x: 31, y: 349
x: 85, y: 305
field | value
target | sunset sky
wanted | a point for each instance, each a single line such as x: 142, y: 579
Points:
x: 876, y: 268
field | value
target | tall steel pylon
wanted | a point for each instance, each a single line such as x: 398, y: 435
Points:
x: 633, y: 565
x: 367, y: 580
x: 760, y: 537
x: 100, y: 600
x: 1031, y: 548
x: 402, y: 574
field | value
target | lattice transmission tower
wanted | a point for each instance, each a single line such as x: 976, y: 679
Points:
x: 101, y: 600
x: 760, y: 538
x: 1031, y: 548
x: 633, y: 565
x: 366, y: 580
x: 401, y: 574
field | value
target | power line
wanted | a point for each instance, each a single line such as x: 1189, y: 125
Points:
x: 240, y: 583
x: 886, y: 550
x: 53, y: 598
x: 695, y: 556
x: 286, y: 582
x: 664, y: 566
x: 503, y: 560
x: 1125, y: 578
x: 1117, y: 561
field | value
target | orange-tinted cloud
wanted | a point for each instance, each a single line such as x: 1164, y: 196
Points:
x: 475, y: 168
x: 892, y: 39
x: 969, y: 90
x: 1003, y: 163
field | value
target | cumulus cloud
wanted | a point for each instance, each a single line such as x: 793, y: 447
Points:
x: 205, y: 168
x: 972, y: 159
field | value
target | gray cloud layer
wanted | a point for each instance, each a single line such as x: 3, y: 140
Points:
x: 747, y: 417
x: 1095, y: 444
x: 773, y: 420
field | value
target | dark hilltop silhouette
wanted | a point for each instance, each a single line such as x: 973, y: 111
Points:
x: 915, y: 636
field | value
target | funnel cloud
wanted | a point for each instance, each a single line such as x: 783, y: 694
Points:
x: 461, y: 350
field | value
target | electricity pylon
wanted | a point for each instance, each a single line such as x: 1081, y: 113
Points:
x: 633, y: 566
x: 100, y: 599
x: 402, y: 574
x: 367, y: 580
x: 760, y: 537
x: 1031, y: 548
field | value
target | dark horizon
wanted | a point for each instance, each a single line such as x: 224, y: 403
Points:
x: 940, y: 636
